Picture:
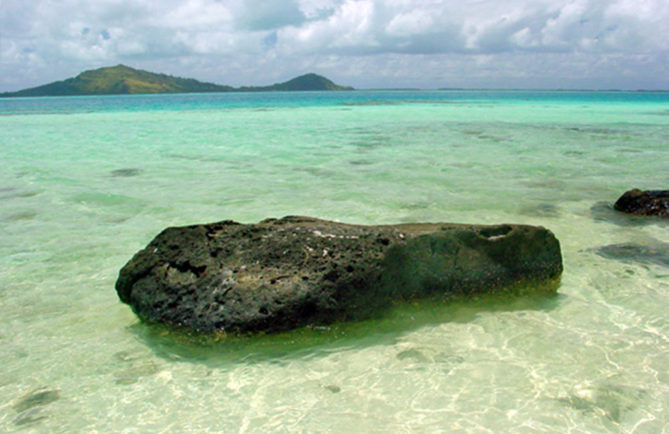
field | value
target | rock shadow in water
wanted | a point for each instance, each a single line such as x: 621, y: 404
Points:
x: 29, y: 407
x: 651, y: 253
x: 417, y: 358
x: 604, y: 212
x: 125, y: 173
x: 361, y: 162
x: 541, y: 210
x: 596, y: 131
x: 15, y: 193
x: 483, y: 135
x: 545, y: 184
x: 610, y: 400
x: 318, y: 341
x: 317, y: 172
x: 20, y: 215
x: 134, y: 366
x: 39, y: 397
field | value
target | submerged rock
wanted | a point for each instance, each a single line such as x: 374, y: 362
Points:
x: 126, y: 172
x: 651, y: 253
x: 644, y: 203
x: 297, y: 271
x: 37, y: 398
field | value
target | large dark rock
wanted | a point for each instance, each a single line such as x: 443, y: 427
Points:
x: 287, y: 273
x: 645, y: 203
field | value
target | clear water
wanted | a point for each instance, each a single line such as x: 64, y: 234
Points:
x: 85, y: 182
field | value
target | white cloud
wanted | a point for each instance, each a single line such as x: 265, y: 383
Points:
x: 194, y: 15
x: 410, y: 23
x: 397, y: 42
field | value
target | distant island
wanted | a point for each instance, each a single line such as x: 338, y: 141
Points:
x: 124, y: 80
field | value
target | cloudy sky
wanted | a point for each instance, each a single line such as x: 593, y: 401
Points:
x: 595, y: 44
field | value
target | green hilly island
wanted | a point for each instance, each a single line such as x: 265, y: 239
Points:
x: 124, y: 80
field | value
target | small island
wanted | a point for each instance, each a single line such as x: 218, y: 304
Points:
x: 124, y: 80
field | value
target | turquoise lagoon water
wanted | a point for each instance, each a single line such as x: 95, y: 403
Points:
x: 87, y: 181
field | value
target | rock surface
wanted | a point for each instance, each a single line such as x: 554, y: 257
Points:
x: 644, y: 203
x: 297, y: 271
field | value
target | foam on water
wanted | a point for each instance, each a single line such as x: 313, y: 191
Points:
x: 86, y: 182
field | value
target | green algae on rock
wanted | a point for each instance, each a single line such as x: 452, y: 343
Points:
x: 296, y: 271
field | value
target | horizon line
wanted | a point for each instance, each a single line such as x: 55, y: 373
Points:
x: 372, y: 89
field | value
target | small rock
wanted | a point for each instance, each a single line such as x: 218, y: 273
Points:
x: 333, y: 388
x: 644, y: 203
x: 29, y: 417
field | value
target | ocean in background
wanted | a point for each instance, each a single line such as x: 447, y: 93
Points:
x: 85, y: 182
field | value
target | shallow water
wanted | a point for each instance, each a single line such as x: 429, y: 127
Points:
x: 85, y: 182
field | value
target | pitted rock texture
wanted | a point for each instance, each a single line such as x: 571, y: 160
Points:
x: 644, y: 203
x: 297, y: 271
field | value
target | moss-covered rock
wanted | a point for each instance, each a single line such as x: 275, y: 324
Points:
x: 295, y: 271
